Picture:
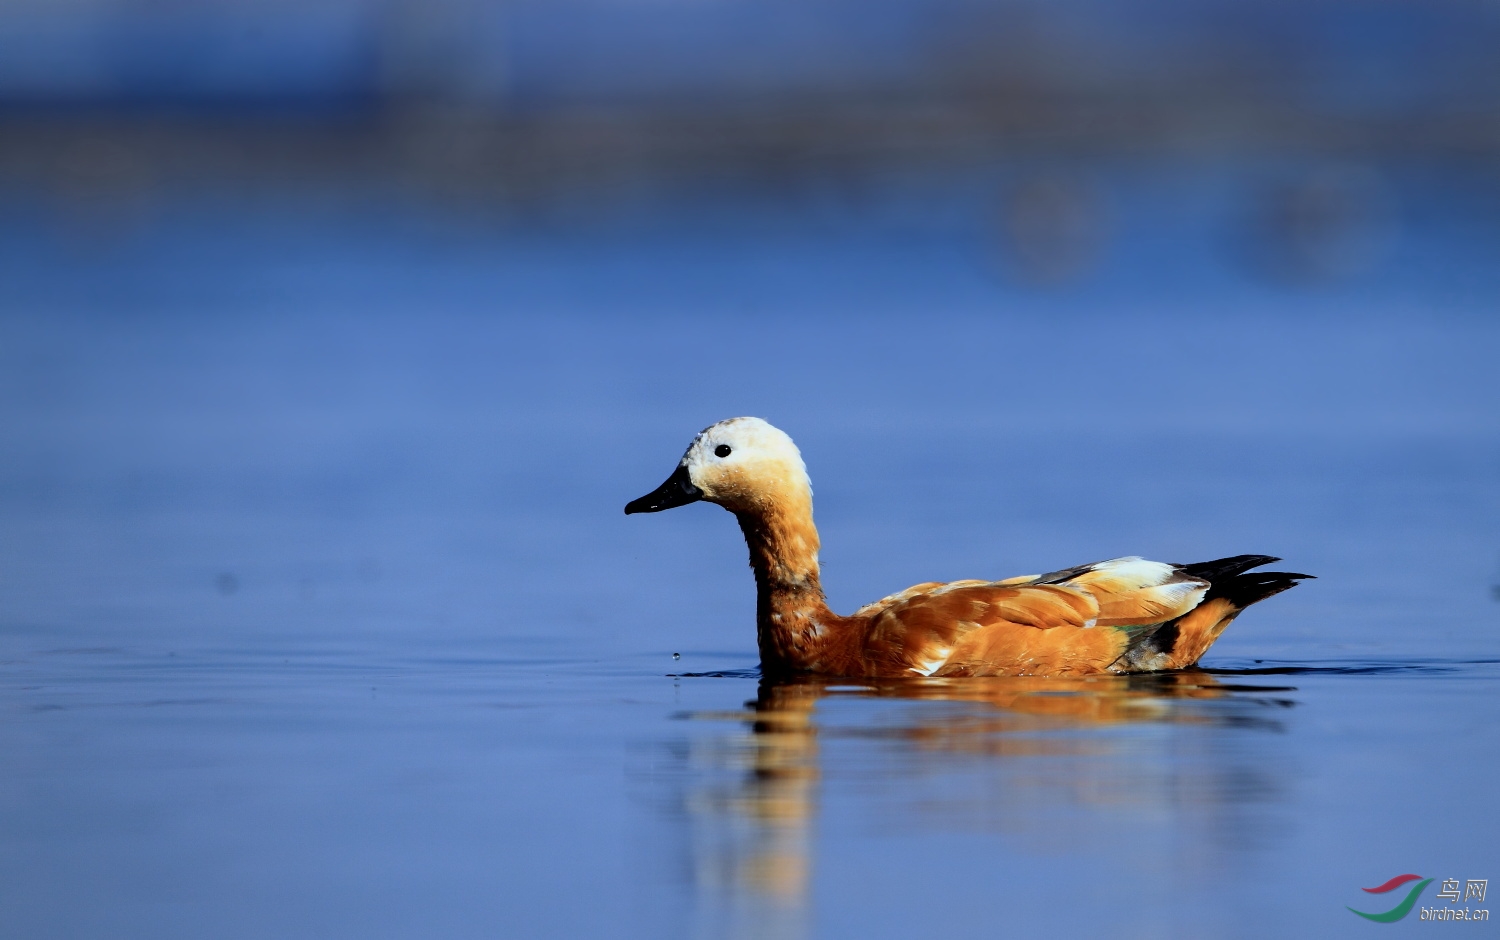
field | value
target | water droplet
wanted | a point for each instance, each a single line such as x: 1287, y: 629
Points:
x: 676, y: 655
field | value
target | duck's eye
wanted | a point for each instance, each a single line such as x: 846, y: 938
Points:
x: 722, y: 450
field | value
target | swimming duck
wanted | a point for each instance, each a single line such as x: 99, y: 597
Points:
x: 1124, y: 615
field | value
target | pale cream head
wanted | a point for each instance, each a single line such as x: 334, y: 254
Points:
x: 744, y: 464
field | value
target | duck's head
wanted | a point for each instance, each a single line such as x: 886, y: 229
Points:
x: 743, y: 464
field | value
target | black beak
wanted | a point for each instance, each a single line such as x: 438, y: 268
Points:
x: 677, y: 491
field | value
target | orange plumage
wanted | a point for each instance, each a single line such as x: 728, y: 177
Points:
x: 1117, y: 616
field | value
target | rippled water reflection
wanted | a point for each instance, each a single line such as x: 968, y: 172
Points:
x: 1026, y: 756
x: 301, y: 794
x: 1194, y: 788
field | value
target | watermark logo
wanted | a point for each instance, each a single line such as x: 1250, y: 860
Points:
x: 1473, y: 889
x: 1407, y: 903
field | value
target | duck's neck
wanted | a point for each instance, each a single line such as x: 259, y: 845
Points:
x: 792, y: 613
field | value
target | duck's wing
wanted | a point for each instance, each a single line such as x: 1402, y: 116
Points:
x: 1132, y: 591
x: 986, y: 628
x: 1124, y: 614
x: 1074, y: 621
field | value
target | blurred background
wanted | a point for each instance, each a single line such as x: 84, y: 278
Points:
x: 1301, y: 140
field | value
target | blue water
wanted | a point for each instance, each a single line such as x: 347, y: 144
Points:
x: 319, y: 615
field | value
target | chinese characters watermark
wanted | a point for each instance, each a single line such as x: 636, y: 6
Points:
x: 1451, y: 890
x: 1473, y: 890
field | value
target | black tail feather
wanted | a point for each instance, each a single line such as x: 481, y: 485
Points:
x: 1212, y: 571
x: 1226, y: 578
x: 1244, y: 590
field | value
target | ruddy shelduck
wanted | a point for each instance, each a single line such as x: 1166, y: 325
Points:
x: 1124, y: 615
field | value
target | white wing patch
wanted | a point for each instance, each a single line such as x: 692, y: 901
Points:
x: 1161, y: 581
x: 1136, y: 571
x: 1180, y: 591
x: 1156, y: 588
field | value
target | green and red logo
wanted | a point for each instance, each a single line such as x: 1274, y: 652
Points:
x: 1402, y: 909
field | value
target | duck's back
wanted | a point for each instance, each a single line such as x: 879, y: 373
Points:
x: 1121, y: 615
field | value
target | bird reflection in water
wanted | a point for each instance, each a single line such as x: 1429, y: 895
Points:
x: 1027, y: 756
